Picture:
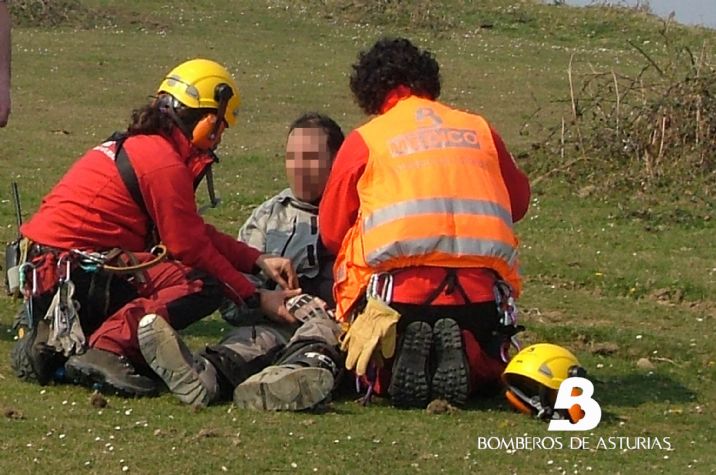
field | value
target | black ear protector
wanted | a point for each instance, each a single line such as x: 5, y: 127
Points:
x: 207, y: 131
x: 576, y: 371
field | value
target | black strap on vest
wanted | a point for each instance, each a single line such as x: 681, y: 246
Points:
x: 129, y: 178
x: 449, y: 284
x: 209, y: 175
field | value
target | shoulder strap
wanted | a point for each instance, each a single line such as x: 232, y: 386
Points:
x: 129, y: 178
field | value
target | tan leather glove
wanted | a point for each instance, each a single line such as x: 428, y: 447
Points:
x: 375, y: 327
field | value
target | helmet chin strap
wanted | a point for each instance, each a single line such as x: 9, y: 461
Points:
x: 223, y: 95
x: 167, y: 104
x: 541, y: 411
x: 540, y: 404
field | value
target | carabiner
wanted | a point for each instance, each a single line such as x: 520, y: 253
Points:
x: 380, y: 286
x: 22, y: 279
x: 64, y: 259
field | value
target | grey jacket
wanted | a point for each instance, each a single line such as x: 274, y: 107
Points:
x: 285, y: 226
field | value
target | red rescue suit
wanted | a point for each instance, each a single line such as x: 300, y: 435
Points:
x: 90, y: 209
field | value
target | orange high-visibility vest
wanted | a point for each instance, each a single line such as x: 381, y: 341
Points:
x: 431, y: 195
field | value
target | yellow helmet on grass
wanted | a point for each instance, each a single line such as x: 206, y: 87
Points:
x: 533, y: 377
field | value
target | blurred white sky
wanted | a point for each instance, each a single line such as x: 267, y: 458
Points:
x: 692, y: 12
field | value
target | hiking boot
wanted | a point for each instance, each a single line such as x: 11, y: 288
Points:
x: 409, y: 385
x: 108, y: 372
x: 451, y: 378
x: 284, y: 388
x: 191, y: 379
x: 31, y: 358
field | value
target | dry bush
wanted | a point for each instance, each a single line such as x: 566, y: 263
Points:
x: 651, y: 130
x: 76, y: 14
x: 47, y: 12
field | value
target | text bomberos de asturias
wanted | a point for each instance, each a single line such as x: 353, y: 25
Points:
x: 584, y: 443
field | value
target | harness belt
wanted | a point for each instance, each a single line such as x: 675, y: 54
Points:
x: 94, y: 261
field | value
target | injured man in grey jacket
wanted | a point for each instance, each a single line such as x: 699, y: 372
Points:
x: 264, y: 364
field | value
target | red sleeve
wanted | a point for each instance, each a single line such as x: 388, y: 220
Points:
x: 518, y: 186
x: 340, y: 202
x: 241, y: 255
x: 169, y: 196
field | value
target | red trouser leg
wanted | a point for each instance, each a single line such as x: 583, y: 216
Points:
x: 174, y: 291
x: 484, y: 369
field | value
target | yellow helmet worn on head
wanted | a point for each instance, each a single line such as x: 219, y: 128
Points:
x: 202, y: 84
x: 533, y: 377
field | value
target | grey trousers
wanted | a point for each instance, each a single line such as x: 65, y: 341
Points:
x: 253, y: 341
x: 246, y: 350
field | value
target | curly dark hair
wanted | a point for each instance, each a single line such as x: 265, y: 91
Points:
x: 329, y: 126
x: 392, y: 62
x: 149, y: 120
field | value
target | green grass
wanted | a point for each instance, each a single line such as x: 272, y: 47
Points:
x: 613, y: 283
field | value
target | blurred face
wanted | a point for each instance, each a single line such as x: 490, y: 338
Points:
x: 308, y: 163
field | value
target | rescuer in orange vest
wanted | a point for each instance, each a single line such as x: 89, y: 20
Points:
x: 419, y: 211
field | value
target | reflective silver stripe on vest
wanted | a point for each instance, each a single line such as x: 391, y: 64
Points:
x: 436, y: 206
x: 456, y: 246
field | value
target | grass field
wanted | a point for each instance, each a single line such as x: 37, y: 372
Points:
x: 633, y: 297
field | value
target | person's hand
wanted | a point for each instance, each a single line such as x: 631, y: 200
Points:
x: 273, y: 304
x: 280, y: 270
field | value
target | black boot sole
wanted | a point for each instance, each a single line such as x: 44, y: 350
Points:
x: 21, y: 362
x: 451, y: 378
x: 31, y: 369
x: 409, y: 385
